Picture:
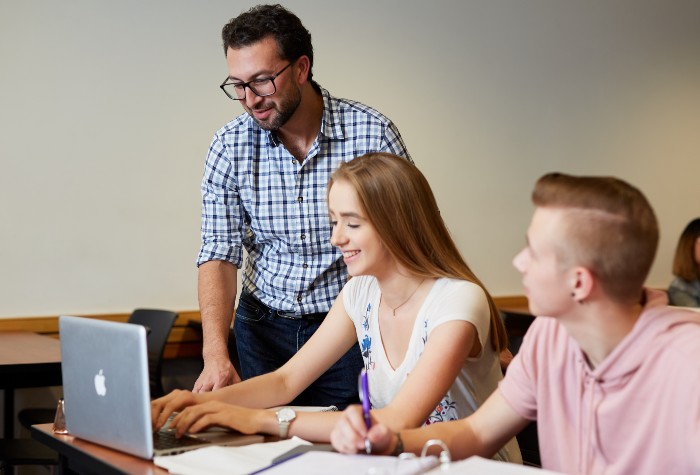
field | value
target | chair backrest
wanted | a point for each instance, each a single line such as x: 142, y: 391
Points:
x: 158, y: 324
x: 516, y: 326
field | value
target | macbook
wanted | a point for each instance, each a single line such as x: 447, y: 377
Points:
x: 106, y: 391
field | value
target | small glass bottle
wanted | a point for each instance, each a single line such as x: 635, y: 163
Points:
x: 59, y: 421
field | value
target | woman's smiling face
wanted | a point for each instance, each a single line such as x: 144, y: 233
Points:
x: 363, y: 251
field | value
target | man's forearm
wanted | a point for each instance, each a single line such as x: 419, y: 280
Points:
x: 217, y: 294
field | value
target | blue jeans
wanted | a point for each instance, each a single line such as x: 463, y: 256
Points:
x: 265, y: 341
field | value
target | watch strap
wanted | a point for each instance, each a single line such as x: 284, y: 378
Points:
x: 284, y: 429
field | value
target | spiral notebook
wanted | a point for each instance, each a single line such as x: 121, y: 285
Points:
x: 322, y: 463
x: 318, y: 461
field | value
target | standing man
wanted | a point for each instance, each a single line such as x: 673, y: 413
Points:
x: 264, y: 189
x: 610, y: 373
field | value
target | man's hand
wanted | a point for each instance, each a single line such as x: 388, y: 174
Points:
x: 217, y: 373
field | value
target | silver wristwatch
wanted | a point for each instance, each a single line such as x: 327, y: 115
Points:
x: 285, y: 416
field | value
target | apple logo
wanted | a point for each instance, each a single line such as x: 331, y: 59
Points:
x: 100, y: 386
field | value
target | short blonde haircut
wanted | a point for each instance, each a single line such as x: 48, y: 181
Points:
x: 611, y: 229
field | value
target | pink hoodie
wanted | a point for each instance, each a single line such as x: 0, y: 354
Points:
x: 638, y: 412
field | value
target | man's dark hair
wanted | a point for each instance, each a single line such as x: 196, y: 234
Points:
x: 293, y: 39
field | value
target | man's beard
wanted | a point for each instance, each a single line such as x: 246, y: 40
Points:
x: 281, y: 113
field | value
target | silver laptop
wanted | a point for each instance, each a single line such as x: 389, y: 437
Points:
x: 107, y: 395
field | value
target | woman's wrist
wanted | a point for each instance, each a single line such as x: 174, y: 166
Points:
x: 266, y: 421
x: 398, y: 447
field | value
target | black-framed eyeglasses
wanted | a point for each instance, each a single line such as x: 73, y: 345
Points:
x: 261, y: 87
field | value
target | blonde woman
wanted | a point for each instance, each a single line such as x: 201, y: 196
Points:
x: 429, y: 332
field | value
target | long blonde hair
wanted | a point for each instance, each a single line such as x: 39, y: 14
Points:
x: 400, y: 205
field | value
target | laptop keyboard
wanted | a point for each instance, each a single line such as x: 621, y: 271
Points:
x: 166, y: 439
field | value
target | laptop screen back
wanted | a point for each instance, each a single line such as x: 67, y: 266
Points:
x: 105, y: 383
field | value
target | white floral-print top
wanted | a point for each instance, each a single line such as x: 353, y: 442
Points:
x: 448, y: 300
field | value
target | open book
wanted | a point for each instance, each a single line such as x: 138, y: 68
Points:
x: 229, y: 460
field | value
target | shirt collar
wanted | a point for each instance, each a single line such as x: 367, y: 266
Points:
x: 331, y: 120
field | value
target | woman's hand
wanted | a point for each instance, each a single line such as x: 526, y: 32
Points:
x: 163, y: 407
x: 200, y: 417
x: 350, y: 432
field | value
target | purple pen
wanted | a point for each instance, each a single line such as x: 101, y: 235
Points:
x: 364, y: 397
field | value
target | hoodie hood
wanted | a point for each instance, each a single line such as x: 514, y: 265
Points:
x: 647, y: 336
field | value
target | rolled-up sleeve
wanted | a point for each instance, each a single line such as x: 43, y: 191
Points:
x: 223, y: 217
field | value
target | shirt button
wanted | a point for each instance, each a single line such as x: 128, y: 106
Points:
x: 303, y: 236
x: 294, y: 162
x: 299, y: 299
x: 305, y: 265
x: 300, y: 199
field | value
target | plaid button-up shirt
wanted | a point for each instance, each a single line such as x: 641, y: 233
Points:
x: 257, y: 196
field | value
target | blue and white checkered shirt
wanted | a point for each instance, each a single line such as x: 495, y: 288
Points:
x: 256, y: 194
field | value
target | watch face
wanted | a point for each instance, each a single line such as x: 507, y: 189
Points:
x: 286, y: 414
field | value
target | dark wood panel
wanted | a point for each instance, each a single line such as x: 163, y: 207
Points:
x: 185, y: 339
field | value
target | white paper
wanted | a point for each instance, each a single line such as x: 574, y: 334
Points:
x: 227, y: 460
x: 324, y: 463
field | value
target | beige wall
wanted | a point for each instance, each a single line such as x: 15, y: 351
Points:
x: 107, y: 109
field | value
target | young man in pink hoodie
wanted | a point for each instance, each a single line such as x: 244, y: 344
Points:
x: 611, y: 373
